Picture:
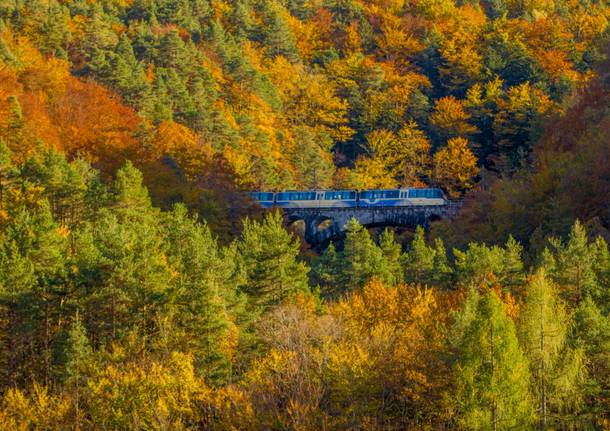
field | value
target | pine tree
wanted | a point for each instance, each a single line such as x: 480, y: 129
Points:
x: 78, y: 357
x: 65, y: 184
x: 483, y: 265
x: 419, y: 259
x: 173, y: 53
x: 204, y: 292
x: 554, y: 367
x: 123, y: 262
x: 13, y: 132
x: 17, y: 280
x: 391, y: 252
x: 512, y: 273
x: 361, y: 260
x: 279, y: 39
x: 601, y: 268
x: 325, y: 272
x: 129, y: 196
x: 491, y: 372
x: 591, y: 333
x: 268, y: 254
x: 7, y: 171
x: 33, y: 258
x: 442, y: 273
x: 573, y: 269
x: 241, y: 20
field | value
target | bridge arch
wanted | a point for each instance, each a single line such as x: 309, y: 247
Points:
x: 325, y: 224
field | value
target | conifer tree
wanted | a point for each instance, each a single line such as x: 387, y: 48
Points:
x: 204, y: 292
x: 442, y: 272
x: 278, y: 36
x: 601, y: 268
x: 419, y: 259
x: 268, y: 254
x: 7, y: 171
x: 391, y: 252
x: 325, y: 271
x: 555, y: 368
x: 77, y: 353
x: 573, y: 269
x: 122, y: 255
x: 591, y: 333
x: 361, y: 259
x: 491, y: 372
x: 512, y: 273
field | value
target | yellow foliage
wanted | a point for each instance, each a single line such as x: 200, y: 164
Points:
x: 35, y: 410
x: 370, y: 174
x: 450, y: 118
x: 136, y: 395
x: 455, y: 166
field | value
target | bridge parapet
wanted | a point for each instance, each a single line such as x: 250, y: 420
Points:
x: 411, y: 216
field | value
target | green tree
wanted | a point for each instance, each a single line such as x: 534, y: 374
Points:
x: 268, y: 254
x: 573, y: 265
x: 7, y: 171
x: 591, y: 333
x: 392, y: 253
x: 361, y: 259
x: 418, y: 260
x: 481, y: 264
x: 324, y: 272
x: 442, y: 271
x: 204, y: 293
x: 557, y: 371
x: 491, y: 372
x: 278, y: 37
x: 601, y: 268
x: 124, y: 272
x: 78, y: 359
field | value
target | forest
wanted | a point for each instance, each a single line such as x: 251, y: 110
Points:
x: 140, y: 290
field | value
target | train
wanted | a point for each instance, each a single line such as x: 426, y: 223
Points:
x: 350, y: 198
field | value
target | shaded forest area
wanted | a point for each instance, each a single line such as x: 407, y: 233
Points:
x: 135, y: 294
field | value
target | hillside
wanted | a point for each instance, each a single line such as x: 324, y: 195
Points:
x: 139, y: 290
x: 280, y: 90
x: 568, y: 179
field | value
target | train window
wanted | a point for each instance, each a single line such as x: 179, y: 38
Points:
x: 339, y: 195
x: 302, y: 196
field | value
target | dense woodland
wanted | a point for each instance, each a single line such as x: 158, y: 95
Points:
x: 140, y: 291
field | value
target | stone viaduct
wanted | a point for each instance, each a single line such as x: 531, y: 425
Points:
x: 325, y: 224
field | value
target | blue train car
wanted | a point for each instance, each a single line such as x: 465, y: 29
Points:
x: 340, y: 199
x: 401, y: 197
x: 263, y: 199
x: 350, y: 198
x: 317, y: 199
x: 382, y: 198
x: 296, y: 199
